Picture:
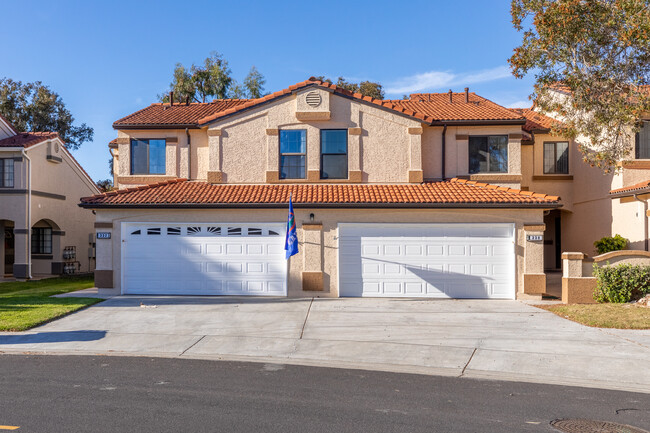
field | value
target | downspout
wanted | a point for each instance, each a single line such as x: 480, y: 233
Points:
x: 29, y: 213
x: 189, y: 154
x: 444, y: 151
x: 645, y: 218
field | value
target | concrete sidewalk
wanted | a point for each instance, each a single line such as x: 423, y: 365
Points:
x: 506, y: 340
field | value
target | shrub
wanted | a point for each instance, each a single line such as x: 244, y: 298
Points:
x: 608, y: 244
x: 621, y: 283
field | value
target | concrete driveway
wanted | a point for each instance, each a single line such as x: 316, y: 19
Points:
x: 506, y: 340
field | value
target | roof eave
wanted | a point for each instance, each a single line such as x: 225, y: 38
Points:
x: 470, y: 122
x: 156, y: 126
x: 553, y: 205
x: 629, y: 193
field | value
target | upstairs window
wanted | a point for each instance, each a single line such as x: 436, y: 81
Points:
x: 488, y: 154
x: 6, y: 173
x: 334, y: 154
x: 643, y: 141
x: 148, y: 156
x: 41, y: 240
x: 556, y: 158
x: 293, y: 147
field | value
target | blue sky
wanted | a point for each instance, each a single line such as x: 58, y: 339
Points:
x: 107, y: 59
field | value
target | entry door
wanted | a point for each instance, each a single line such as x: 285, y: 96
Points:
x: 203, y: 259
x: 427, y: 260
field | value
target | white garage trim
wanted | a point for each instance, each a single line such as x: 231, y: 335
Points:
x: 165, y: 258
x: 437, y: 260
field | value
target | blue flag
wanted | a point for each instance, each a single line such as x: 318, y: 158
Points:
x: 291, y: 241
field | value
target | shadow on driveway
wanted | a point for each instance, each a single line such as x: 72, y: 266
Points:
x: 53, y: 337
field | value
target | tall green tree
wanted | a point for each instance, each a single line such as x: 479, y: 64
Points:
x: 198, y: 82
x: 598, y: 53
x: 366, y: 88
x: 212, y: 79
x: 34, y: 107
x: 254, y: 83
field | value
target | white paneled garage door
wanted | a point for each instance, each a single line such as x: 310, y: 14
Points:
x: 427, y: 260
x: 203, y: 259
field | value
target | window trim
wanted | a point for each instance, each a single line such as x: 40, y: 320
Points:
x: 42, y: 247
x: 347, y: 154
x: 568, y: 157
x: 148, y: 173
x: 280, y: 154
x: 469, y: 156
x: 637, y: 140
x: 2, y: 173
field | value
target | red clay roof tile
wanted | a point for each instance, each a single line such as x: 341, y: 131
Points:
x: 536, y: 122
x: 183, y: 192
x: 27, y: 139
x: 631, y: 189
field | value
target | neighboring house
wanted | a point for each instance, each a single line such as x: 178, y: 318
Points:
x: 595, y: 204
x: 40, y: 222
x: 391, y: 198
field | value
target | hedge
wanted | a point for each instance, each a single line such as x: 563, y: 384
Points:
x: 621, y: 283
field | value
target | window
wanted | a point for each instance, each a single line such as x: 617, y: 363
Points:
x: 643, y: 141
x: 293, y: 145
x: 6, y: 173
x: 148, y: 156
x: 334, y: 154
x: 556, y: 158
x: 42, y: 240
x: 488, y: 154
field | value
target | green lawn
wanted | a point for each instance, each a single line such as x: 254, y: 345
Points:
x: 24, y: 305
x: 620, y: 316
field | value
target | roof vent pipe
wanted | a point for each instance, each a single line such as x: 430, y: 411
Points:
x: 451, y: 100
x: 467, y: 95
x: 171, y: 98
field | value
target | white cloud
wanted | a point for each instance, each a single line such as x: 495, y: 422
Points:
x: 520, y: 104
x: 438, y: 79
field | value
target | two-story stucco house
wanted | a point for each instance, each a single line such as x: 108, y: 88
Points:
x: 418, y: 197
x: 42, y: 229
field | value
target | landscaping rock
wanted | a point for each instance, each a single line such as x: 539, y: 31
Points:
x: 644, y: 302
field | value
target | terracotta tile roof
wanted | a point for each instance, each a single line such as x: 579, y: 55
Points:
x: 427, y: 108
x: 453, y: 193
x: 535, y: 122
x: 27, y: 139
x: 176, y: 115
x: 631, y: 189
x: 438, y: 106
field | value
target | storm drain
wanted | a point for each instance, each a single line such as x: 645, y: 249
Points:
x: 590, y: 426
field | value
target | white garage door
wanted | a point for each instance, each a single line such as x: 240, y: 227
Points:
x: 203, y: 259
x: 427, y: 260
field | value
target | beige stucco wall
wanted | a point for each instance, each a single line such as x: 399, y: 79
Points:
x: 56, y: 191
x: 326, y: 258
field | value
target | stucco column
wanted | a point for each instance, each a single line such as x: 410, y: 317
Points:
x: 577, y: 288
x: 354, y: 155
x: 312, y: 252
x: 22, y: 247
x: 215, y: 174
x: 415, y: 174
x: 534, y: 276
x: 272, y: 155
x: 104, y: 256
x: 57, y: 252
x: 2, y: 249
x: 514, y: 153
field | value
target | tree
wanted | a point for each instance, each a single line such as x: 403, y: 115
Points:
x: 34, y: 107
x: 598, y: 53
x: 105, y: 185
x: 254, y: 83
x: 366, y: 88
x: 212, y: 79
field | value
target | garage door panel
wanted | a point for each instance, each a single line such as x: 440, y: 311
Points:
x: 204, y: 259
x: 462, y: 261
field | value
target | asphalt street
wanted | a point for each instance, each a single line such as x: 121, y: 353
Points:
x: 129, y: 394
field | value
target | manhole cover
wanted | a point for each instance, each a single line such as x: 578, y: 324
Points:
x: 589, y: 426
